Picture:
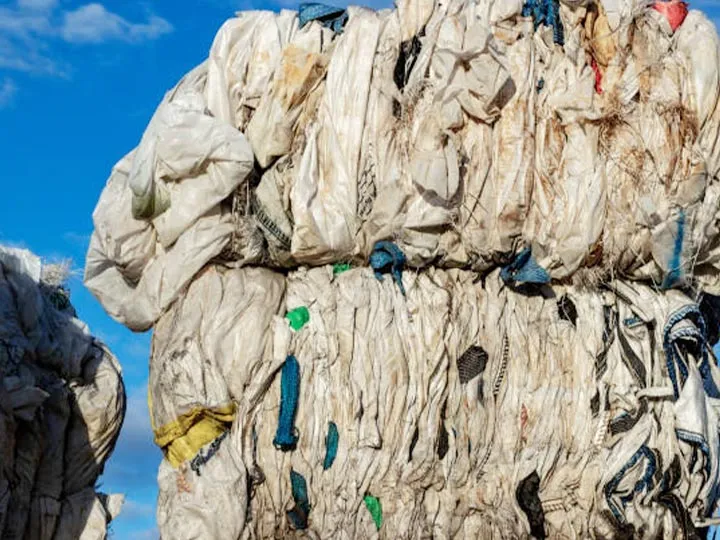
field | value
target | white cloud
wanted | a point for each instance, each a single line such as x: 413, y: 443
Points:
x: 30, y: 28
x: 39, y: 5
x: 7, y: 92
x: 77, y: 239
x: 22, y: 24
x: 133, y: 510
x: 136, y: 432
x: 27, y: 55
x: 150, y: 534
x: 93, y: 23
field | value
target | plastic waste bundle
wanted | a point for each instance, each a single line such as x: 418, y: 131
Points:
x: 443, y: 270
x: 62, y: 403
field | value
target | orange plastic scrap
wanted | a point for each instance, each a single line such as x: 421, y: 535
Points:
x: 675, y: 12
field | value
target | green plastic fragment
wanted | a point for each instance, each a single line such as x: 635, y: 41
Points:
x: 375, y: 509
x: 339, y: 268
x: 298, y: 317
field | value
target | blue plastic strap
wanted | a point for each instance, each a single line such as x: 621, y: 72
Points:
x: 546, y: 12
x: 331, y: 445
x: 286, y: 436
x: 386, y: 255
x: 330, y: 17
x: 524, y: 269
x: 646, y: 482
x: 702, y: 446
x: 672, y: 358
x: 298, y: 516
x: 675, y: 272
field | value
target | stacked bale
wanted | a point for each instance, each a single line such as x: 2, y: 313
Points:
x: 62, y: 403
x: 534, y: 186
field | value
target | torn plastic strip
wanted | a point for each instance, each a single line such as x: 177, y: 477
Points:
x: 340, y: 268
x: 598, y: 76
x: 298, y: 516
x: 331, y: 445
x: 671, y: 338
x: 199, y: 460
x: 630, y: 358
x: 625, y: 421
x: 546, y: 12
x: 409, y: 52
x: 375, y: 508
x: 698, y: 442
x: 673, y: 503
x: 524, y: 269
x: 387, y: 256
x: 608, y: 340
x: 298, y: 317
x: 674, y: 11
x: 675, y: 272
x: 330, y: 17
x: 645, y: 481
x: 286, y: 435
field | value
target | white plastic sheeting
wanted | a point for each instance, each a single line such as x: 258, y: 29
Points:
x: 62, y: 403
x: 570, y: 385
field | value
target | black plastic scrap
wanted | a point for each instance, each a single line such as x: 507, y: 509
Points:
x: 409, y: 51
x: 443, y: 440
x: 472, y: 363
x: 299, y: 514
x: 567, y: 310
x: 671, y: 479
x: 527, y: 495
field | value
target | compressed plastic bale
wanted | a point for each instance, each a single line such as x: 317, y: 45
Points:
x: 474, y: 154
x: 520, y: 391
x: 464, y: 404
x: 44, y: 351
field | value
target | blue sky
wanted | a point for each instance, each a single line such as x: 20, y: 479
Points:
x: 78, y: 83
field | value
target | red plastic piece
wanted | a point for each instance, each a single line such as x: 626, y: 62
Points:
x: 675, y: 12
x: 598, y: 76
